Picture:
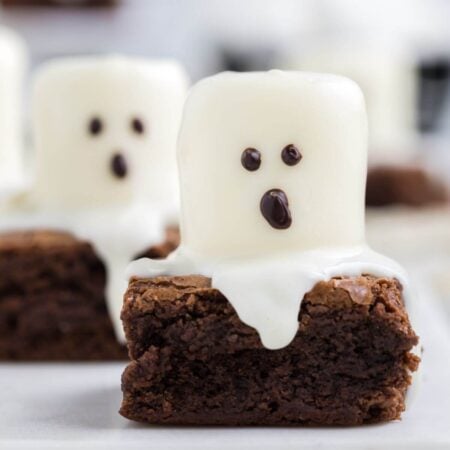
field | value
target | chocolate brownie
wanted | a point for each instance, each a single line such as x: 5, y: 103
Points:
x: 410, y: 186
x: 195, y: 363
x: 52, y: 301
x: 159, y: 251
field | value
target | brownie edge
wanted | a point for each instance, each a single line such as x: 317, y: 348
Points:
x: 195, y: 363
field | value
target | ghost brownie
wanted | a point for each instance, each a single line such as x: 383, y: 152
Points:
x: 273, y: 310
x: 104, y: 131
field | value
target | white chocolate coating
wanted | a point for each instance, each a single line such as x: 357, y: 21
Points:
x: 387, y: 77
x: 75, y: 188
x: 13, y: 63
x: 265, y: 272
x: 68, y: 93
x: 323, y: 115
x: 267, y: 292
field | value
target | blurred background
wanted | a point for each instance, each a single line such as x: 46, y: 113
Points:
x: 398, y: 51
x: 209, y: 36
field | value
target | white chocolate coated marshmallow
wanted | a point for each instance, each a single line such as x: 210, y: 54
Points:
x: 323, y: 116
x: 105, y: 130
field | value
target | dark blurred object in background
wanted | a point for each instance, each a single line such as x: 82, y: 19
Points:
x: 59, y: 3
x: 434, y: 86
x: 246, y: 61
x: 403, y: 185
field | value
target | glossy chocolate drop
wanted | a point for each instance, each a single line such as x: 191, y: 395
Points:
x: 291, y: 155
x: 137, y: 126
x: 274, y: 207
x: 119, y: 166
x: 95, y: 126
x: 251, y: 159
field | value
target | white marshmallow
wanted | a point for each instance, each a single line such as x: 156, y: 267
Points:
x: 323, y: 115
x: 13, y: 63
x: 73, y: 165
x: 387, y: 77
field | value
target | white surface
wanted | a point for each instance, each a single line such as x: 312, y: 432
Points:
x: 75, y: 407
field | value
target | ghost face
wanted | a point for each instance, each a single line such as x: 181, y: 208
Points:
x: 105, y: 131
x: 272, y: 162
x: 274, y: 203
x: 118, y: 161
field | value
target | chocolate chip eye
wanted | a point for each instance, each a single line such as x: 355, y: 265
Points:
x: 95, y: 126
x: 137, y: 125
x: 251, y: 159
x: 291, y: 155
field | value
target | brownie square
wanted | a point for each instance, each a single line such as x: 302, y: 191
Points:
x: 52, y: 303
x: 52, y: 300
x: 195, y: 363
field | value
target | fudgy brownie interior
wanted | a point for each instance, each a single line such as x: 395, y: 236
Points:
x: 194, y: 362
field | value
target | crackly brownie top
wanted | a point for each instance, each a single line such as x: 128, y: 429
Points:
x: 200, y: 313
x: 144, y: 295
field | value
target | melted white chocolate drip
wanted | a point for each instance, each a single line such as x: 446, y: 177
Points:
x: 267, y: 292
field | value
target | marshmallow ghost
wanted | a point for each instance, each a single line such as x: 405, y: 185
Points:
x: 13, y: 62
x: 387, y: 76
x: 105, y: 131
x: 279, y: 160
x: 272, y: 176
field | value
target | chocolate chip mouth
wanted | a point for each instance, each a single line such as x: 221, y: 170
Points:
x: 119, y: 165
x: 274, y: 207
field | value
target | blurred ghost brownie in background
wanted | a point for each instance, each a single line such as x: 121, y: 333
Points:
x: 398, y: 173
x: 104, y: 191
